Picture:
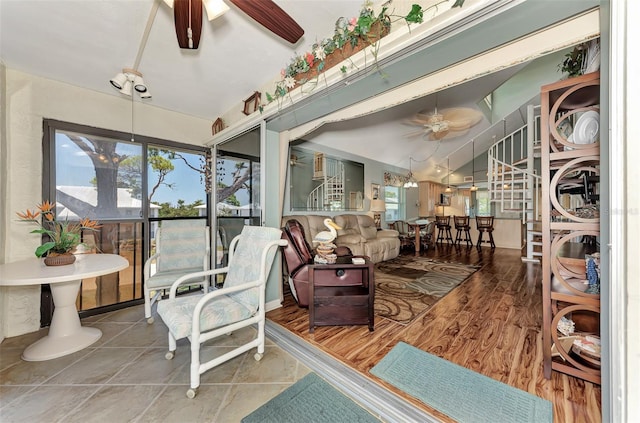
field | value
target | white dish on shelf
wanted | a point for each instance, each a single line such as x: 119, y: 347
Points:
x: 587, y: 128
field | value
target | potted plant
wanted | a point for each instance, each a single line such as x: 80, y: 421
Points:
x: 64, y: 236
x: 350, y: 36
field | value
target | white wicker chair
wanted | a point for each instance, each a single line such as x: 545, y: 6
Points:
x: 240, y: 303
x: 182, y: 247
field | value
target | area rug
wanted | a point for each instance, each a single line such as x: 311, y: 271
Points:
x: 310, y: 399
x: 460, y: 393
x: 407, y: 286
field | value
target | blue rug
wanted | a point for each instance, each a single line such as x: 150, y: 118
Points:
x: 460, y: 393
x: 310, y: 399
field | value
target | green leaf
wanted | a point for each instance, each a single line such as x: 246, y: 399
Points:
x: 343, y: 69
x: 41, y: 250
x: 458, y: 3
x: 269, y: 98
x: 416, y: 14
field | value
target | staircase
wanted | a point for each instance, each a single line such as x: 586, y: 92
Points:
x: 514, y: 184
x: 329, y: 194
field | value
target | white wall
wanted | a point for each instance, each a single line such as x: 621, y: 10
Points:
x: 26, y: 101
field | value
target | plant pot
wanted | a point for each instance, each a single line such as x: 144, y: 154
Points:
x: 59, y: 259
x: 378, y: 30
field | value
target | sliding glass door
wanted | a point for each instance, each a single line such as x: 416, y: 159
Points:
x: 238, y: 188
x: 130, y: 185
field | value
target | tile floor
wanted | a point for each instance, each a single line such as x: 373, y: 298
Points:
x: 124, y: 377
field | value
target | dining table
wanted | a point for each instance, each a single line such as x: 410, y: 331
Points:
x: 66, y: 334
x: 416, y: 226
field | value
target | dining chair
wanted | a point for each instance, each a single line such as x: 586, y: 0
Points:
x: 426, y: 235
x: 182, y: 247
x: 238, y: 304
x: 405, y: 233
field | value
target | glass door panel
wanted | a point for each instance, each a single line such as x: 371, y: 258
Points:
x: 129, y: 187
x: 237, y: 177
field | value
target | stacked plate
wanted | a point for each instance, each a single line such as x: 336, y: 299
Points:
x: 587, y: 128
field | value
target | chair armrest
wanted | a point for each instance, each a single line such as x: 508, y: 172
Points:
x: 387, y: 233
x: 350, y: 239
x: 189, y: 276
x: 147, y: 266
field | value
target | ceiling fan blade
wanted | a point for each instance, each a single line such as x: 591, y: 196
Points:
x: 462, y: 118
x: 416, y: 133
x: 440, y: 135
x: 188, y: 25
x: 272, y: 17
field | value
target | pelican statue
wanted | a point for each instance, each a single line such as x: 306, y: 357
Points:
x: 327, y: 237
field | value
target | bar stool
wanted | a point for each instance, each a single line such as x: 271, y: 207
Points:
x: 485, y: 224
x: 444, y: 229
x: 462, y: 227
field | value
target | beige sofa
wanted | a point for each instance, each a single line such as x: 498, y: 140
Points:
x: 358, y: 232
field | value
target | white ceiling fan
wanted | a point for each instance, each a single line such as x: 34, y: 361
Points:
x: 448, y: 123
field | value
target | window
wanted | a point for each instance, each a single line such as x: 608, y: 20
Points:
x: 483, y: 205
x: 129, y: 186
x: 394, y: 199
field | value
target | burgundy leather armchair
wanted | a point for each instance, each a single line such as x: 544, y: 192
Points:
x: 298, y: 255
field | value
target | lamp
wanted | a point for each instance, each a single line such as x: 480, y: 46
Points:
x: 377, y: 206
x: 448, y: 190
x: 473, y: 166
x: 129, y: 80
x: 214, y: 8
x: 411, y: 181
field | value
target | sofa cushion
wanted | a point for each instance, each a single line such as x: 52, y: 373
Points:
x: 367, y: 226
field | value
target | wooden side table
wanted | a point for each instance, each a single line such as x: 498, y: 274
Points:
x: 341, y: 294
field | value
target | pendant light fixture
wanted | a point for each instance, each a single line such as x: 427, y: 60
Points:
x: 473, y: 166
x: 411, y: 181
x: 448, y: 190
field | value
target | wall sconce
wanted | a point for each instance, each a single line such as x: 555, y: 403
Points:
x: 129, y: 80
x: 377, y: 207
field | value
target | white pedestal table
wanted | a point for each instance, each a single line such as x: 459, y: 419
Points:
x: 66, y: 334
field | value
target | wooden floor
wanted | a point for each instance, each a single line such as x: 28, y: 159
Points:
x: 489, y: 324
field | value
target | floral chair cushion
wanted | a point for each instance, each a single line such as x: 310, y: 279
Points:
x: 177, y: 314
x: 183, y: 245
x: 245, y: 263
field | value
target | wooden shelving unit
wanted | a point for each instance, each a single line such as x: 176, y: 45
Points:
x: 564, y: 230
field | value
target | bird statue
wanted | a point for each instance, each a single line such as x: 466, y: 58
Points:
x: 325, y: 239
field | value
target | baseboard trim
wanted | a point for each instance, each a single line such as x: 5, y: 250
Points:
x: 379, y: 401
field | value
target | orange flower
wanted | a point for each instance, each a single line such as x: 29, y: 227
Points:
x: 46, y: 207
x: 89, y: 224
x: 63, y: 235
x: 28, y: 215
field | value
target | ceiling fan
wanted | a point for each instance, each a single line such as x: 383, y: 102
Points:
x: 188, y: 18
x: 448, y: 123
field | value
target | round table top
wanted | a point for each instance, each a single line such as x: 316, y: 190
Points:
x: 33, y: 271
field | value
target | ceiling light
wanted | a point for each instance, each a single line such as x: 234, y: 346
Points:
x: 126, y: 88
x: 448, y: 190
x: 214, y: 8
x: 128, y: 80
x: 118, y: 80
x: 411, y: 181
x: 138, y: 84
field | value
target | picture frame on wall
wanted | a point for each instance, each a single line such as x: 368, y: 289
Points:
x: 375, y: 191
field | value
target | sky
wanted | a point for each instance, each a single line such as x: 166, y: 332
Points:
x: 73, y: 167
